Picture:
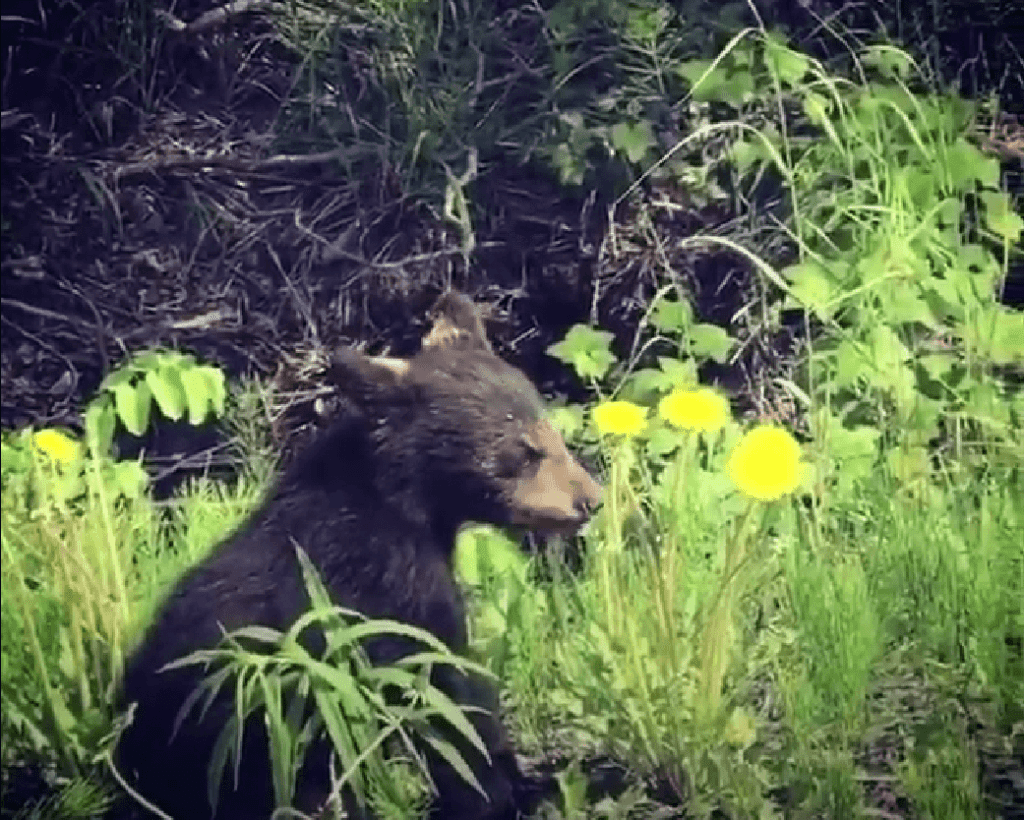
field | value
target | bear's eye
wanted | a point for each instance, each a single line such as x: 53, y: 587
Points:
x: 515, y: 460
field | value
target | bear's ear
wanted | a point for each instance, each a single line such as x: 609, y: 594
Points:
x: 457, y: 323
x: 370, y: 381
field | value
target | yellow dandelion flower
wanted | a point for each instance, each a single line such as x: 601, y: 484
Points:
x: 621, y: 418
x: 766, y: 463
x: 703, y: 409
x: 58, y: 446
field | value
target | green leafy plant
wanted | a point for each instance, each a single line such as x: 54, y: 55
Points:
x: 175, y: 382
x: 607, y: 133
x: 68, y: 517
x: 76, y: 800
x: 51, y: 467
x: 904, y: 240
x: 588, y: 352
x: 365, y: 711
x: 662, y: 672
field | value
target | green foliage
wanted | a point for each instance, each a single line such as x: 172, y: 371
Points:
x: 31, y: 476
x: 174, y: 381
x: 412, y: 91
x: 588, y: 352
x: 77, y: 800
x: 941, y: 774
x: 70, y: 512
x: 338, y: 694
x: 904, y: 240
x: 615, y: 79
x: 841, y: 631
x: 65, y: 603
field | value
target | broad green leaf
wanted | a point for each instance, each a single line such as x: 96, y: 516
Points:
x: 890, y: 61
x: 132, y: 403
x: 1000, y: 335
x: 151, y: 360
x: 922, y: 417
x: 812, y: 286
x: 100, y: 422
x: 69, y: 486
x: 663, y: 440
x: 887, y: 349
x: 738, y: 87
x: 197, y: 394
x: 217, y: 387
x: 645, y: 23
x: 856, y: 450
x: 850, y: 361
x: 986, y: 405
x: 693, y: 71
x: 967, y: 166
x: 942, y: 298
x: 168, y: 391
x: 937, y: 365
x: 130, y: 478
x: 1000, y: 218
x: 788, y: 65
x: 717, y: 492
x: 14, y: 459
x: 710, y: 341
x: 886, y: 95
x: 974, y: 257
x: 641, y: 386
x: 902, y: 386
x: 122, y: 375
x: 965, y: 286
x: 680, y: 372
x: 721, y: 84
x: 567, y: 420
x: 632, y: 139
x: 586, y: 350
x: 908, y: 464
x: 902, y: 303
x: 744, y: 153
x: 922, y: 186
x: 672, y: 315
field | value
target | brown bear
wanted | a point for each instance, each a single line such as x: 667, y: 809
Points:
x: 422, y: 447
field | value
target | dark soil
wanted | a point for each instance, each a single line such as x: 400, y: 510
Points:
x: 143, y: 207
x: 142, y: 216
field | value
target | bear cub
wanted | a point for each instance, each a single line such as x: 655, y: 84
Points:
x: 423, y: 446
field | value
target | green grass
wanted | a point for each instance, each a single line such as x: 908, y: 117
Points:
x: 891, y: 625
x: 834, y: 614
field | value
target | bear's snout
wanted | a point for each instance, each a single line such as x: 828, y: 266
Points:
x: 588, y: 494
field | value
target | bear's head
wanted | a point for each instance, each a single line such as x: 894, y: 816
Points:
x: 458, y: 435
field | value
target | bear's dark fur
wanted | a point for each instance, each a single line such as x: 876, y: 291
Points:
x: 425, y: 445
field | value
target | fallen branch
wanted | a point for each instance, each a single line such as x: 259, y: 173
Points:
x: 246, y: 166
